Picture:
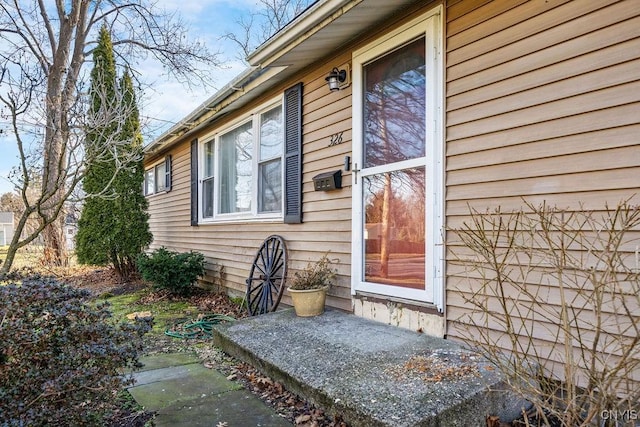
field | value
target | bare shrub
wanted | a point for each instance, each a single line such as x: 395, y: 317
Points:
x: 553, y: 300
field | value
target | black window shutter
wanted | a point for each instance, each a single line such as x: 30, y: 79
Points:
x: 293, y: 154
x: 167, y: 173
x: 194, y: 182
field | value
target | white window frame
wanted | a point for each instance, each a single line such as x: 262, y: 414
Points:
x: 217, y: 192
x: 429, y: 25
x: 160, y: 178
x: 253, y: 214
x: 211, y: 177
x: 259, y: 161
x: 156, y: 179
x: 145, y: 184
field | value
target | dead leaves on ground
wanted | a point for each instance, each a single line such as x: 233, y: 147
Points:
x: 437, y: 368
x: 204, y: 301
x: 494, y: 421
x: 287, y: 404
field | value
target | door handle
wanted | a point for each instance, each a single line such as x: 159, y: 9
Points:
x: 355, y: 171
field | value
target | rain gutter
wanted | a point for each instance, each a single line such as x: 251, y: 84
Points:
x: 216, y: 105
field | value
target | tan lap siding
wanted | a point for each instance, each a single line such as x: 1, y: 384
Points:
x: 326, y: 215
x: 542, y: 102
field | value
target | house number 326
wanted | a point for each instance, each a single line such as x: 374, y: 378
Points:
x: 336, y: 139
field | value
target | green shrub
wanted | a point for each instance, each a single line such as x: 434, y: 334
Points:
x: 61, y: 358
x: 170, y: 270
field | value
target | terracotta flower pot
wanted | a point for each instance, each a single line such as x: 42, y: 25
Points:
x: 308, y: 302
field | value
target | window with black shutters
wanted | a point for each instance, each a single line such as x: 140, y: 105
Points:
x: 157, y: 179
x: 251, y: 168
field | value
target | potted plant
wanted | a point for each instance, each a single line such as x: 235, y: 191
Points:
x: 308, y: 288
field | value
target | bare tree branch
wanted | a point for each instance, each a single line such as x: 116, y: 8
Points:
x: 271, y: 16
x: 50, y: 32
x: 45, y: 48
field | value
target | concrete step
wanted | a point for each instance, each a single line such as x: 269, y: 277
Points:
x: 371, y: 374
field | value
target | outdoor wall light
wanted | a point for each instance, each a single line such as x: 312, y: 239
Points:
x: 337, y: 79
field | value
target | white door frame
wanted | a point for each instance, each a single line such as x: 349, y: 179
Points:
x: 430, y: 25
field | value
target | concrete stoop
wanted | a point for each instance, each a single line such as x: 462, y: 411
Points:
x: 369, y: 373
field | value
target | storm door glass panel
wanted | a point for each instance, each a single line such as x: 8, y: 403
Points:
x: 394, y: 106
x: 394, y: 234
x: 207, y: 181
x: 235, y: 170
x: 270, y: 164
x: 393, y: 176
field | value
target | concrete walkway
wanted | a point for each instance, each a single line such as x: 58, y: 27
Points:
x: 184, y: 393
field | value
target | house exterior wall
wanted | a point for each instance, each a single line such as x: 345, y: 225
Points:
x: 543, y: 103
x: 6, y: 228
x: 70, y: 231
x: 326, y: 225
x: 6, y: 234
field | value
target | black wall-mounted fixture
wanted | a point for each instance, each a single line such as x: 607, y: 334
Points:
x: 338, y: 79
x: 328, y: 181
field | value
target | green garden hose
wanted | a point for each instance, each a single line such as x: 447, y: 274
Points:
x: 197, y: 328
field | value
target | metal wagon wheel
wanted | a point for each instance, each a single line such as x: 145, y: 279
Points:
x: 265, y: 284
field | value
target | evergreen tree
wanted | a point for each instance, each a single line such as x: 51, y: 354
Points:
x: 96, y: 218
x: 113, y: 227
x: 130, y: 235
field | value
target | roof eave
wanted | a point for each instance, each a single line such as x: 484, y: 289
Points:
x: 213, y: 107
x: 281, y: 56
x: 304, y: 26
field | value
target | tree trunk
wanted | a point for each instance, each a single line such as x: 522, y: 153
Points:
x: 53, y: 183
x: 55, y: 250
x: 119, y: 266
x: 8, y: 261
x: 16, y: 244
x: 59, y: 101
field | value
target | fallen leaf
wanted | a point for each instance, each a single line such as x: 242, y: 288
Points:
x: 493, y: 421
x: 303, y: 419
x: 142, y: 315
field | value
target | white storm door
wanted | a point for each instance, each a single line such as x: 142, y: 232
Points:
x: 397, y: 153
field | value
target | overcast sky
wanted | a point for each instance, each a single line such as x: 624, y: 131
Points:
x: 166, y: 102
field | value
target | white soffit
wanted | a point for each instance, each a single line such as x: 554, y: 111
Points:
x: 323, y: 32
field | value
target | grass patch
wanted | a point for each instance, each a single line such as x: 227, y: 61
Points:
x: 165, y: 312
x: 239, y: 301
x: 27, y: 256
